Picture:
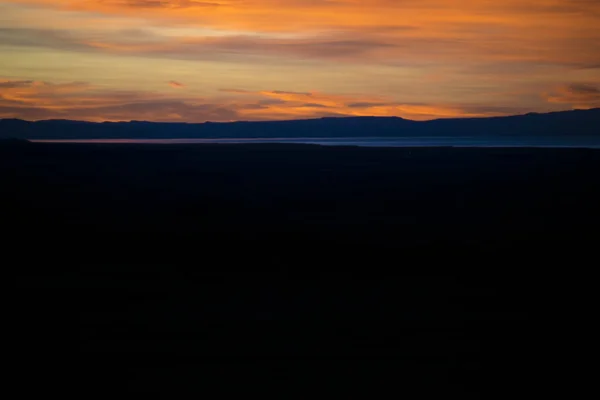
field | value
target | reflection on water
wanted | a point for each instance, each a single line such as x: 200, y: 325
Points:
x: 581, y: 142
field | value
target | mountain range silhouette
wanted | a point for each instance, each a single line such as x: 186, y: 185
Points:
x: 563, y: 123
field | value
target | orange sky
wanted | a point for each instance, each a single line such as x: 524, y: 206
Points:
x: 223, y: 60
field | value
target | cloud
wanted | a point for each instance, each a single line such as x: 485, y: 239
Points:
x: 5, y: 84
x: 282, y: 92
x: 545, y: 31
x: 36, y: 100
x: 578, y: 95
x: 295, y: 105
x: 263, y: 15
x: 366, y: 104
x: 497, y: 56
x: 413, y: 58
x: 241, y: 91
x: 176, y: 85
x: 161, y: 4
x: 329, y: 46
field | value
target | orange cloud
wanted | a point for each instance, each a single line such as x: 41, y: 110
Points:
x: 176, y: 85
x: 306, y: 105
x: 416, y: 58
x: 36, y: 100
x: 578, y: 95
x: 292, y: 15
x: 439, y: 31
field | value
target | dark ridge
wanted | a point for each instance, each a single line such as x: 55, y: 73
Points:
x: 555, y: 124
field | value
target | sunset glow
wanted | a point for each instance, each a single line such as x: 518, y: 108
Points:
x: 227, y: 60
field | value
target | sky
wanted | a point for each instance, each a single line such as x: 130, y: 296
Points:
x: 229, y: 60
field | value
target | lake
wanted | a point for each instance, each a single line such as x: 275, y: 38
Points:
x: 571, y: 142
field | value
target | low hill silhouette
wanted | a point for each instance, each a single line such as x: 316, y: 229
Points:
x: 564, y: 123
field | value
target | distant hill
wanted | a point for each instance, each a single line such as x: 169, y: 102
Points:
x: 564, y: 123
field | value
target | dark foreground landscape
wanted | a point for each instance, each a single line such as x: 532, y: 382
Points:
x: 185, y: 269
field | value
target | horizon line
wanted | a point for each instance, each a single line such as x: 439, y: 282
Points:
x: 299, y: 119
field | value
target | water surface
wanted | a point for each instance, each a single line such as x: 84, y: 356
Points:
x: 572, y: 142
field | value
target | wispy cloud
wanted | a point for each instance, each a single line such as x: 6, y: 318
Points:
x: 413, y: 58
x: 79, y: 100
x: 176, y: 85
x: 577, y: 95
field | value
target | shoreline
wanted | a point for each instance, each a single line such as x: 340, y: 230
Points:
x: 346, y: 142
